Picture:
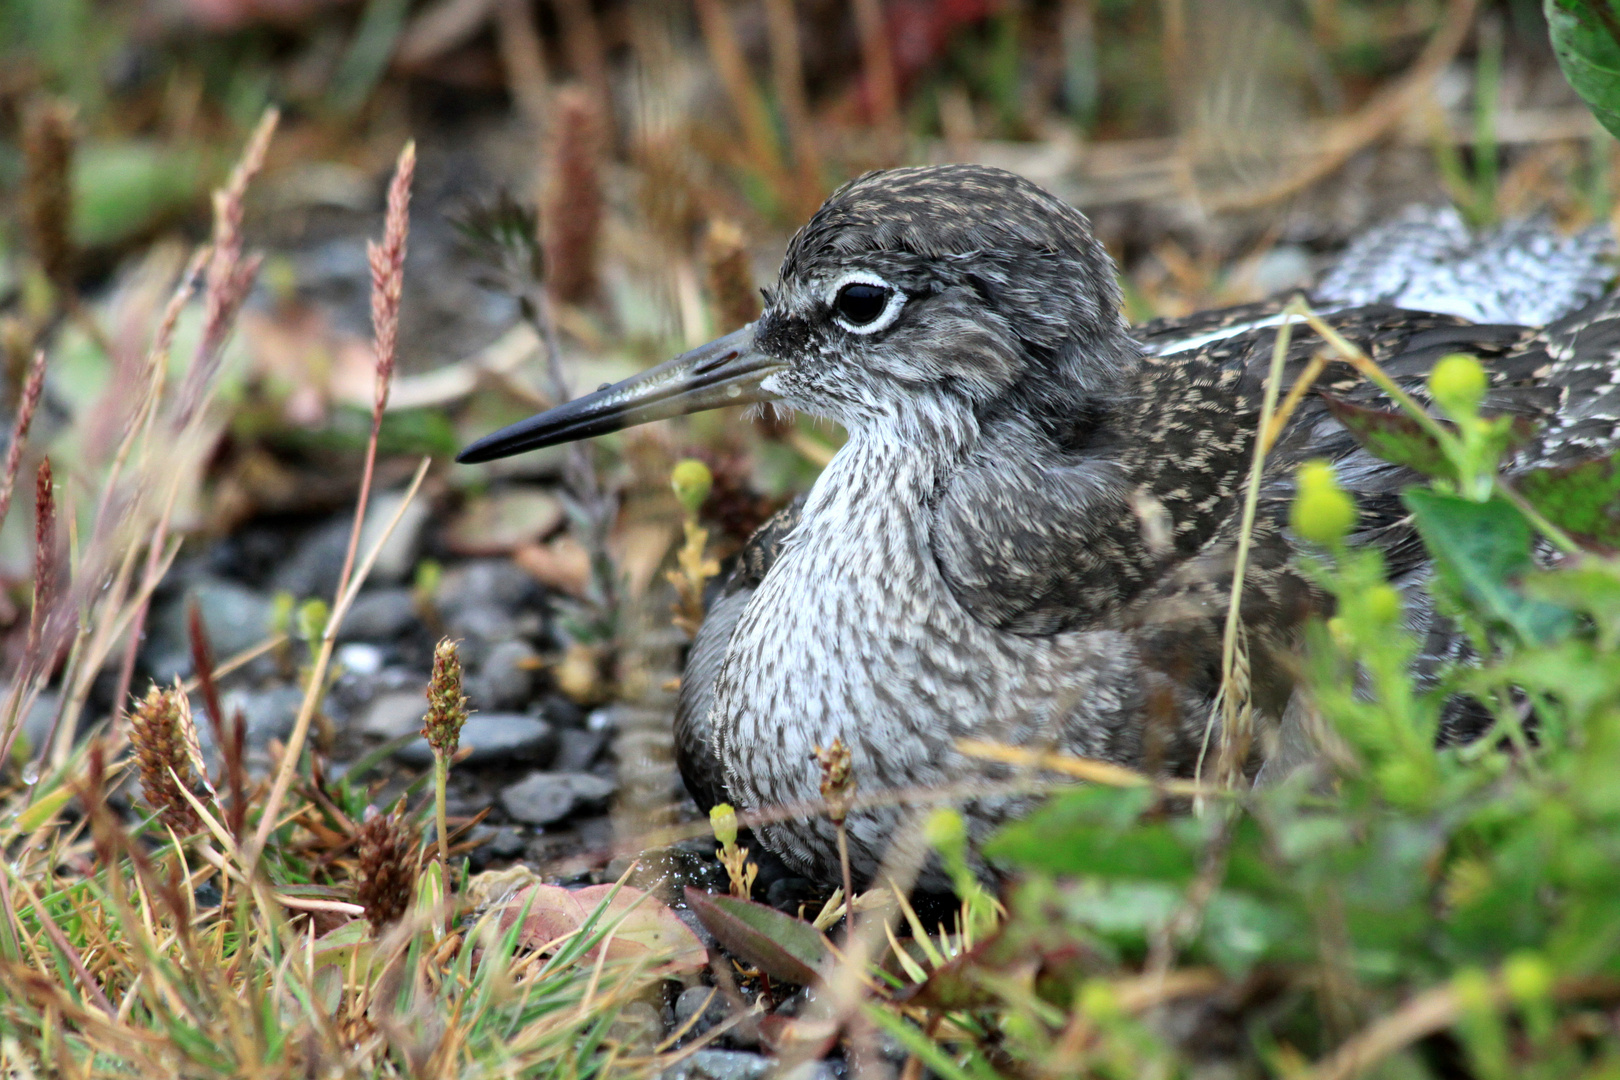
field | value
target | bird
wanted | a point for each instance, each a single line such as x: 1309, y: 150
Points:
x: 1029, y: 533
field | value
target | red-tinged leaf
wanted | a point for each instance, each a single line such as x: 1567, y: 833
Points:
x: 783, y: 947
x: 640, y: 927
x: 1582, y: 499
x: 1393, y: 436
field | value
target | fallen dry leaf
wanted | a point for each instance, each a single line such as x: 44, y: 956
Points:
x: 497, y: 523
x: 642, y: 928
x: 562, y: 565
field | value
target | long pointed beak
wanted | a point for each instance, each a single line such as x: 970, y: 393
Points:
x: 727, y: 371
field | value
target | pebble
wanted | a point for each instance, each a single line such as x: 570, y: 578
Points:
x: 546, y: 797
x: 505, y: 680
x: 392, y: 714
x: 561, y: 711
x: 479, y: 629
x: 708, y: 1000
x: 495, y: 738
x: 380, y: 615
x: 397, y: 557
x: 637, y: 1028
x: 487, y: 583
x: 360, y: 658
x: 268, y: 714
x: 36, y: 725
x: 236, y: 617
x: 719, y: 1065
x: 316, y: 562
x: 577, y: 749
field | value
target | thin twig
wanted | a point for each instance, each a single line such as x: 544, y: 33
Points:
x: 1081, y: 768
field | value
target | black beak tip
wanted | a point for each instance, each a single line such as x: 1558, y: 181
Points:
x: 480, y: 451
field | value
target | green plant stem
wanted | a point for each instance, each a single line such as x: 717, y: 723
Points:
x: 441, y: 777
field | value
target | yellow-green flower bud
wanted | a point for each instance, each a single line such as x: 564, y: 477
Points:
x: 312, y: 616
x: 1099, y: 1000
x: 1458, y: 384
x: 1383, y: 603
x: 946, y: 830
x: 691, y: 480
x: 1527, y: 978
x: 1323, y: 512
x: 723, y: 820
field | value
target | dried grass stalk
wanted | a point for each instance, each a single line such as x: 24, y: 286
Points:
x: 44, y: 553
x: 229, y: 276
x: 573, y: 205
x: 19, y: 429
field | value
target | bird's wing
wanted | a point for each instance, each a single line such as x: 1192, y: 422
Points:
x: 1043, y: 543
x: 694, y: 749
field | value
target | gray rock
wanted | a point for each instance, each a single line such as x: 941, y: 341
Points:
x: 316, y: 562
x: 359, y: 658
x: 268, y: 714
x: 708, y: 1000
x: 637, y: 1028
x: 577, y: 749
x: 397, y: 557
x: 235, y: 616
x: 37, y: 724
x: 380, y: 615
x: 487, y: 583
x: 543, y: 798
x: 719, y: 1065
x: 507, y: 843
x: 505, y: 680
x: 479, y: 629
x: 392, y: 714
x: 495, y: 738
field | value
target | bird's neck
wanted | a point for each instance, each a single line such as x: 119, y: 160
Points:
x: 892, y: 465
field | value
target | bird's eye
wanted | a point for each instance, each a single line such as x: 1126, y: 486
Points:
x: 861, y: 304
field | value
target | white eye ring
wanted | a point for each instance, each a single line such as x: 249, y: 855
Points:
x: 891, y: 312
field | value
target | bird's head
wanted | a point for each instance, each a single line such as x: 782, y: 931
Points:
x: 932, y: 289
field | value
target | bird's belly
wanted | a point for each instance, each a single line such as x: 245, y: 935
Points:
x: 874, y: 650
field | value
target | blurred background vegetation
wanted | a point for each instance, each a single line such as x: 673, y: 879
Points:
x: 610, y: 180
x: 1221, y: 147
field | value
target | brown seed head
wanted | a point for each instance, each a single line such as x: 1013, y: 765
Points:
x: 573, y: 207
x: 731, y: 276
x: 447, y: 705
x: 388, y: 273
x: 387, y: 846
x: 47, y: 195
x: 837, y: 778
x: 160, y: 732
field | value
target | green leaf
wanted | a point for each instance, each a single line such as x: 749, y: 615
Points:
x: 1586, y: 40
x: 783, y: 947
x: 1582, y: 499
x: 123, y: 189
x: 1393, y: 436
x: 1095, y: 831
x: 1481, y: 551
x: 1399, y: 438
